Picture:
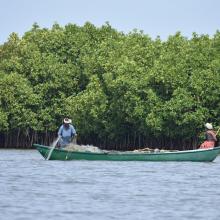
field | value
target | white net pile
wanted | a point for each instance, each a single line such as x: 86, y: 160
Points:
x: 91, y: 148
x: 83, y: 148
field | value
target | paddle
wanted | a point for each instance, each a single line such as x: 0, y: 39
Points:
x: 217, y: 132
x: 53, y: 147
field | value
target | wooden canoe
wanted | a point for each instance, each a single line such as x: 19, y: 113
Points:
x: 199, y: 155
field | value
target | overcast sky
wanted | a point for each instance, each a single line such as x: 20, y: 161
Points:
x: 154, y: 17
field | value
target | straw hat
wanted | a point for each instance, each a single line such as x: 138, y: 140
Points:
x: 67, y: 121
x: 209, y: 126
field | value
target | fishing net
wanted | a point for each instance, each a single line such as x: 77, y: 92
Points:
x: 83, y: 148
x: 91, y: 148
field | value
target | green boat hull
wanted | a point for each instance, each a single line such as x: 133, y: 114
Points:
x: 190, y: 155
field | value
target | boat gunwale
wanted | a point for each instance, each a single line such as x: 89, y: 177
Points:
x: 131, y: 153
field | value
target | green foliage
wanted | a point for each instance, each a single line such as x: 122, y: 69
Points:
x: 111, y: 84
x: 88, y: 109
x: 17, y: 102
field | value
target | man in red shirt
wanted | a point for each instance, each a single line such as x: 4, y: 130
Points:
x: 210, y: 137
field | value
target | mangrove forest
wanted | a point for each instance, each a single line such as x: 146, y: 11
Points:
x: 122, y: 91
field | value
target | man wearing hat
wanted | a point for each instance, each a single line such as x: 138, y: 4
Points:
x: 210, y: 137
x: 66, y: 133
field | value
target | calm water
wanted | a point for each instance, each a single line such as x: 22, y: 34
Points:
x: 32, y: 188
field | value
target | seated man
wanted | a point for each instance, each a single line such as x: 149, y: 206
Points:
x: 66, y: 133
x: 210, y: 137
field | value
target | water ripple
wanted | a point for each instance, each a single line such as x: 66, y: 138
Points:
x: 34, y: 188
